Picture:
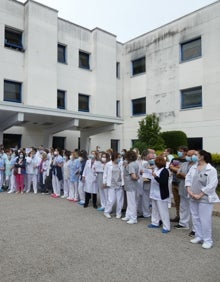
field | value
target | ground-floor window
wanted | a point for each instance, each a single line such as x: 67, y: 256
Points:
x: 12, y: 141
x: 115, y: 145
x: 195, y: 143
x: 59, y: 142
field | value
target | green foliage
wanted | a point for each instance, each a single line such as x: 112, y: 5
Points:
x: 216, y: 159
x: 174, y: 139
x: 149, y: 135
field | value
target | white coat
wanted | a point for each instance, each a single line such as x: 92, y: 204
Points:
x: 91, y: 185
x: 107, y: 175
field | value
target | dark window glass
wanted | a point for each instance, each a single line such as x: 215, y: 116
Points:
x: 13, y: 39
x: 138, y: 66
x: 12, y: 91
x: 83, y: 103
x: 84, y: 60
x: 139, y: 106
x: 118, y: 70
x: 115, y: 145
x: 118, y: 109
x: 59, y: 142
x: 61, y: 53
x: 61, y: 99
x: 191, y: 98
x: 191, y: 50
x: 195, y: 143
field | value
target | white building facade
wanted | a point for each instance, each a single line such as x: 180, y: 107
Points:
x: 62, y: 84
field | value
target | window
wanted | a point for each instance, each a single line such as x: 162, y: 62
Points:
x: 115, y: 145
x: 191, y: 98
x: 195, y: 143
x: 84, y: 60
x: 12, y: 140
x: 83, y: 103
x: 118, y: 70
x: 118, y: 112
x: 139, y: 106
x: 61, y: 53
x: 191, y: 50
x: 59, y: 142
x: 61, y: 99
x: 138, y: 66
x: 13, y: 39
x: 12, y: 91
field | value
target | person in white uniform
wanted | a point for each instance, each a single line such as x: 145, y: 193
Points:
x: 201, y: 182
x: 57, y: 174
x: 159, y: 194
x: 113, y: 180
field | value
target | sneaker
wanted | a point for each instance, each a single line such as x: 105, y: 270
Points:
x: 63, y: 197
x: 70, y: 199
x: 81, y: 203
x: 178, y: 226
x: 175, y: 219
x: 165, y: 231
x: 107, y: 215
x: 55, y: 196
x: 17, y: 192
x: 100, y: 209
x: 131, y: 221
x: 206, y: 245
x: 196, y: 240
x: 125, y: 218
x: 10, y: 192
x: 118, y: 216
x: 22, y: 192
x: 153, y: 226
x: 75, y: 200
x: 191, y: 233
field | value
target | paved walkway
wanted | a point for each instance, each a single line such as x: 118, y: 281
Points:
x: 52, y: 240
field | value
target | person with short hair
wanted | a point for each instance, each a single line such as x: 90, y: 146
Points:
x: 57, y: 174
x: 20, y: 171
x: 75, y: 168
x: 201, y: 182
x: 159, y: 194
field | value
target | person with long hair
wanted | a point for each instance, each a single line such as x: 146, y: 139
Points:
x: 57, y: 174
x: 201, y: 182
x: 20, y: 171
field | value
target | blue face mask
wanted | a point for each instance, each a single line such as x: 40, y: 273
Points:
x: 152, y: 162
x: 179, y: 154
x: 195, y: 158
x: 91, y: 157
x: 188, y: 159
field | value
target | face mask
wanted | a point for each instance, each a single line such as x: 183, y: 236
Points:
x: 151, y: 162
x: 21, y: 156
x: 64, y: 158
x: 91, y: 157
x: 122, y: 153
x: 118, y: 161
x: 180, y: 154
x: 80, y: 158
x: 55, y: 153
x: 195, y: 158
x: 103, y: 160
x: 188, y: 159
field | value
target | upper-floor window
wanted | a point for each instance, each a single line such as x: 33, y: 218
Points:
x: 13, y: 38
x: 118, y: 112
x: 139, y: 106
x: 84, y: 60
x: 191, y: 97
x: 61, y: 53
x: 12, y: 91
x: 191, y: 49
x: 61, y: 101
x: 138, y: 66
x: 83, y: 103
x: 118, y: 70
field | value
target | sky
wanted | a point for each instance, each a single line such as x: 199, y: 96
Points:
x: 126, y: 19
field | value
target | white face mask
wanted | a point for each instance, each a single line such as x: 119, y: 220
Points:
x: 103, y: 160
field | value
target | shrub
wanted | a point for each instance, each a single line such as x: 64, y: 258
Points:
x: 174, y: 139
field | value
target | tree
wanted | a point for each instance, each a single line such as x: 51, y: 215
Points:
x: 149, y: 135
x: 174, y: 139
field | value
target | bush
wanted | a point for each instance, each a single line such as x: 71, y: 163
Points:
x: 174, y: 139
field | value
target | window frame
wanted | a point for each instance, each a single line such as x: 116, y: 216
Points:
x: 182, y: 44
x: 15, y: 46
x: 87, y: 57
x: 118, y: 70
x: 188, y: 91
x: 132, y: 104
x: 87, y: 110
x: 63, y: 61
x: 19, y: 84
x: 59, y: 91
x: 136, y: 61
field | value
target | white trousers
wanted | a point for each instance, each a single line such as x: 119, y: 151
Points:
x: 184, y: 211
x: 31, y: 178
x: 73, y: 192
x: 66, y: 187
x: 56, y: 183
x: 202, y: 220
x: 160, y: 211
x: 146, y: 201
x: 103, y: 194
x: 12, y: 186
x: 1, y: 178
x: 81, y: 191
x: 115, y: 195
x: 131, y: 211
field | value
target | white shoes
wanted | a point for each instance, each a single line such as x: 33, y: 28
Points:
x: 107, y: 215
x: 206, y: 245
x: 10, y: 192
x: 125, y: 218
x: 131, y: 221
x: 118, y: 216
x: 196, y: 240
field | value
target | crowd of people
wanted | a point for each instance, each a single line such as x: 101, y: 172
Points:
x: 129, y: 185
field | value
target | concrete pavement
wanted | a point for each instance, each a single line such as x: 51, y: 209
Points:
x: 46, y: 239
